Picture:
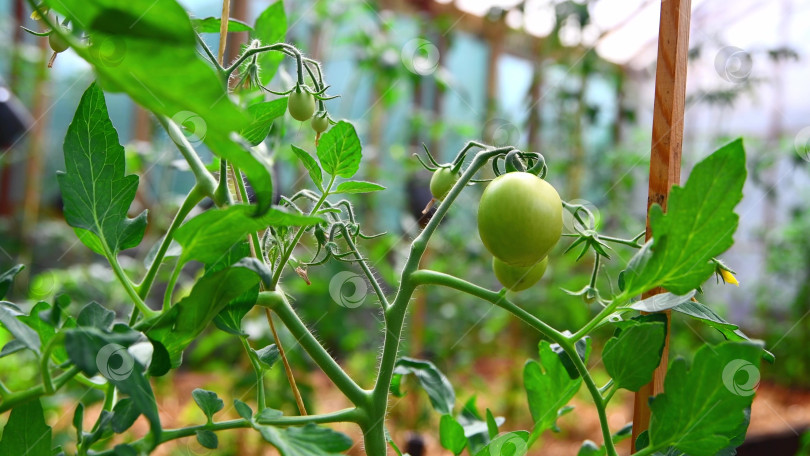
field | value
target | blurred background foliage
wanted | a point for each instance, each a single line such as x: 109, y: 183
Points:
x: 546, y: 76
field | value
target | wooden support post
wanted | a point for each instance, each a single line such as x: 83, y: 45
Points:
x: 665, y: 154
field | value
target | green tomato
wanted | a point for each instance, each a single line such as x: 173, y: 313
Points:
x: 519, y: 218
x: 518, y: 278
x: 442, y: 181
x: 301, y: 104
x: 320, y: 123
x: 57, y: 43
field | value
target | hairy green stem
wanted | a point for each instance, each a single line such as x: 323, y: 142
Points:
x: 280, y: 47
x: 374, y: 431
x: 44, y: 362
x: 192, y: 199
x: 598, y: 401
x: 277, y: 302
x: 604, y: 313
x: 205, y: 181
x: 167, y: 295
x: 257, y: 368
x: 286, y: 255
x: 364, y: 266
x: 128, y: 286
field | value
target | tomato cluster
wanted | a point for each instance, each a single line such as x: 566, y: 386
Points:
x: 519, y: 221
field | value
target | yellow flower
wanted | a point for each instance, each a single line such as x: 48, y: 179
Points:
x: 728, y: 277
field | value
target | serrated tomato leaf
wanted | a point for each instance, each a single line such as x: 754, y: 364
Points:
x: 26, y: 432
x: 699, y: 225
x: 549, y: 387
x: 703, y: 406
x: 312, y: 166
x: 631, y: 357
x: 339, y: 150
x: 96, y: 192
x: 262, y: 116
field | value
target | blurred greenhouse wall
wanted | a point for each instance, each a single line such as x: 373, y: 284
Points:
x: 572, y: 79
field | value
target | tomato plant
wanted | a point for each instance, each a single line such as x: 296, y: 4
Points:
x: 243, y: 249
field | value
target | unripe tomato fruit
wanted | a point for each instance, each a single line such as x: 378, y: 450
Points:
x: 441, y: 182
x: 320, y: 123
x: 56, y: 42
x: 519, y: 218
x: 518, y: 278
x: 301, y: 104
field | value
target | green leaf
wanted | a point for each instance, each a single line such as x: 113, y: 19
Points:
x: 7, y: 278
x: 26, y: 432
x: 339, y: 150
x: 207, y: 439
x: 702, y: 408
x: 96, y: 192
x: 661, y: 302
x: 12, y: 347
x: 93, y: 315
x: 230, y: 318
x: 180, y: 325
x: 20, y: 331
x: 475, y: 428
x: 212, y: 24
x: 78, y: 420
x: 590, y: 448
x: 698, y: 226
x: 268, y: 415
x: 631, y: 358
x: 309, y: 440
x: 208, y: 401
x: 94, y: 350
x: 124, y: 415
x: 358, y: 187
x: 433, y: 381
x: 492, y: 425
x: 209, y: 235
x: 310, y: 164
x: 708, y: 316
x: 268, y: 355
x: 451, y: 435
x: 509, y: 444
x: 583, y: 349
x: 243, y: 409
x: 262, y: 116
x: 270, y: 28
x: 548, y: 387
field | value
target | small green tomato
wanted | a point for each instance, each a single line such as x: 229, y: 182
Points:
x: 518, y: 278
x: 57, y: 43
x: 441, y: 182
x: 320, y: 122
x: 301, y: 104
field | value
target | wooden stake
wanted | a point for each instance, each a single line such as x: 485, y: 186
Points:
x: 665, y: 155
